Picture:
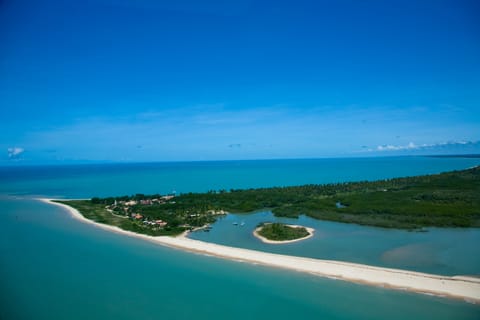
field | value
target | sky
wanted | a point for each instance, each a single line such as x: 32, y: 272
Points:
x: 145, y: 80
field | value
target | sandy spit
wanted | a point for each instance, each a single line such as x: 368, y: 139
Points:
x: 460, y: 287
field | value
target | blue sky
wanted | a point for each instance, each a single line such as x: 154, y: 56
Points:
x: 144, y: 80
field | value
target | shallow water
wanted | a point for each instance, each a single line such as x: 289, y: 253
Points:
x: 445, y: 251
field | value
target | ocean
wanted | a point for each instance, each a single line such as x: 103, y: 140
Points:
x: 54, y: 267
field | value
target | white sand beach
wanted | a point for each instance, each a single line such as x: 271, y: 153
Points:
x: 256, y: 233
x: 462, y: 287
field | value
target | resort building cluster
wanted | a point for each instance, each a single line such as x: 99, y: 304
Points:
x: 158, y: 216
x: 126, y: 209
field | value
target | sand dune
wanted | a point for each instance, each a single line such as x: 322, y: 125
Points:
x: 462, y: 287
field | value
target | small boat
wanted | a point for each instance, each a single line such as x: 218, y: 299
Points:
x: 242, y: 224
x: 235, y: 223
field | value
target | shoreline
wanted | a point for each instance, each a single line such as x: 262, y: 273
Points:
x: 256, y: 234
x: 459, y: 287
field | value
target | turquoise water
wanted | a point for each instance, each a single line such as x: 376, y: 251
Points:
x: 53, y: 267
x: 103, y: 180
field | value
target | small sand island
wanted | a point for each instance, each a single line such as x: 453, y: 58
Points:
x: 279, y: 233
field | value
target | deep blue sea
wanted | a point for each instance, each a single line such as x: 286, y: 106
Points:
x: 54, y: 267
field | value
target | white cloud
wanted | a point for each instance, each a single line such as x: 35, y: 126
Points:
x: 390, y: 147
x: 14, y: 152
x: 413, y: 146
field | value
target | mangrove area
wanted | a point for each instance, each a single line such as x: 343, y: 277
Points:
x: 450, y: 199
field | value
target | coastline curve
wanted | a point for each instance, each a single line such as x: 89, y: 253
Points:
x: 459, y: 287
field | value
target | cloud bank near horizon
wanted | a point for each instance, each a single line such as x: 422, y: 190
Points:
x: 441, y: 148
x: 413, y: 146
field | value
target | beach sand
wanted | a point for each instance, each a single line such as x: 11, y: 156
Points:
x: 461, y: 287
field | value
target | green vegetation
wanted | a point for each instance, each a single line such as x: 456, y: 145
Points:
x: 99, y: 213
x: 449, y: 199
x: 282, y: 232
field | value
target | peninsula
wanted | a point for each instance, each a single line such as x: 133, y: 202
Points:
x: 446, y: 199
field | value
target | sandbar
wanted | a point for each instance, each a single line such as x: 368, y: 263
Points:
x: 460, y: 287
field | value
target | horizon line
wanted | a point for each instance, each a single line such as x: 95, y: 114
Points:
x: 21, y: 163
